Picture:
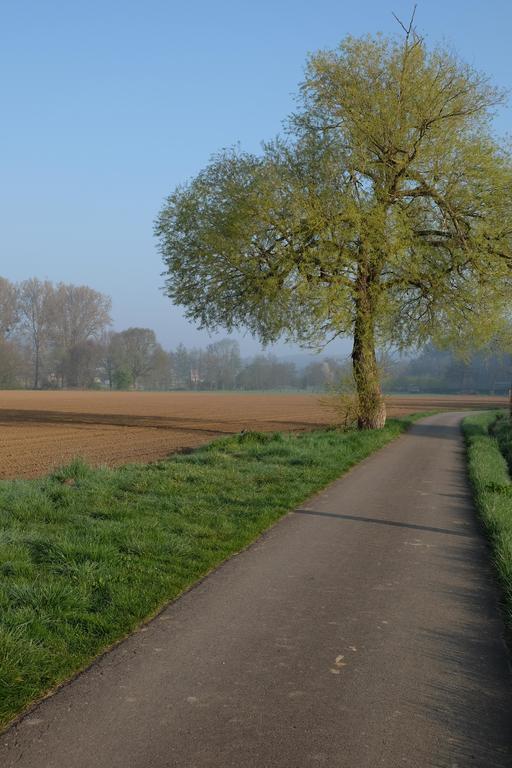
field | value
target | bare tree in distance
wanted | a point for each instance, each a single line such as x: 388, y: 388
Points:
x: 36, y: 308
x: 81, y: 313
x: 222, y: 363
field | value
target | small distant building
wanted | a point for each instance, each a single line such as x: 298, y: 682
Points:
x: 195, y: 378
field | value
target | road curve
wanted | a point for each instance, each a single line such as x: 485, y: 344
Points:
x: 361, y: 631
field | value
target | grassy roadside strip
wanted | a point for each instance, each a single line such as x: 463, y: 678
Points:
x: 86, y: 554
x: 489, y: 441
x: 502, y: 430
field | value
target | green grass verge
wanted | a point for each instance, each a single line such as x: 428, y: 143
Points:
x: 489, y: 445
x: 502, y: 430
x: 87, y: 554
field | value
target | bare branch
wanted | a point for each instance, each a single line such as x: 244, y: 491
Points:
x: 410, y: 28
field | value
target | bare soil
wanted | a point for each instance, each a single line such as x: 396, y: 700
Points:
x: 40, y: 431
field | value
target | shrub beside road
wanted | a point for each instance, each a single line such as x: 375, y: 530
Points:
x: 489, y: 446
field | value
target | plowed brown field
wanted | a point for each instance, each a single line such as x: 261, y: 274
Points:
x: 42, y: 430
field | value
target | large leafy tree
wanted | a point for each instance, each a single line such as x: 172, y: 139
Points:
x: 383, y: 213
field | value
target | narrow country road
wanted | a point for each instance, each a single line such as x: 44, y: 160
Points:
x: 361, y: 631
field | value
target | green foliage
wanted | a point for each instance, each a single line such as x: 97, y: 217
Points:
x: 122, y: 379
x: 493, y: 489
x: 133, y: 353
x: 383, y: 213
x: 86, y: 555
x: 502, y: 430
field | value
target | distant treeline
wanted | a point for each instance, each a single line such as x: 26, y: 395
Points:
x: 58, y: 336
x: 439, y: 371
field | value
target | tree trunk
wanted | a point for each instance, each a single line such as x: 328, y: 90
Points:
x: 371, y: 405
x: 36, y: 371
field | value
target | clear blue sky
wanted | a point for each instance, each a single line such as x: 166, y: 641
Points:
x: 106, y: 106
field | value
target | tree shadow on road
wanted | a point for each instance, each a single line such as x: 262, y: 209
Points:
x: 443, y: 431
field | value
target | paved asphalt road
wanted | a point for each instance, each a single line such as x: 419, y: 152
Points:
x: 361, y: 631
